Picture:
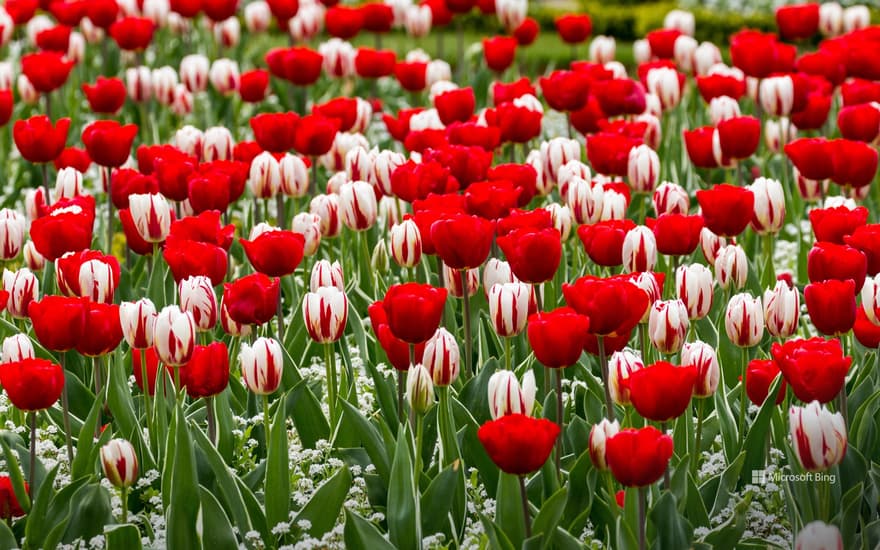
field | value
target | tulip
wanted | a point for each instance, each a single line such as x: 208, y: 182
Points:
x: 834, y: 224
x: 33, y: 259
x: 599, y: 435
x: 187, y: 257
x: 643, y: 168
x: 743, y: 320
x: 695, y: 289
x: 508, y: 308
x: 639, y: 250
x: 768, y: 215
x: 174, y: 335
x: 499, y: 52
x: 662, y: 391
x: 32, y: 384
x: 23, y: 288
x: 58, y: 322
x: 261, y: 365
x: 406, y: 243
x: 138, y: 320
x: 831, y: 305
x: 518, y: 444
x: 152, y: 216
x: 781, y: 310
x: 265, y: 176
x: 815, y: 368
x: 274, y: 252
x: 419, y: 389
x: 574, y: 28
x: 668, y: 325
x: 252, y: 299
x: 620, y: 367
x: 677, y: 234
x: 561, y: 217
x: 723, y: 108
x: 207, y: 372
x: 198, y: 298
x: 585, y: 200
x: 98, y: 279
x: 46, y: 71
x: 834, y: 261
x: 558, y: 337
x: 325, y: 312
x: 760, y: 374
x: 16, y: 348
x: 731, y: 266
x: 726, y: 209
x: 702, y: 356
x: 217, y: 144
x: 108, y: 142
x: 818, y: 436
x: 101, y: 333
x: 614, y: 305
x: 638, y: 458
x: 777, y: 95
x: 358, y: 207
x: 603, y: 49
x: 452, y: 281
x: 818, y: 535
x: 507, y: 396
x: 9, y: 505
x: 38, y: 140
x: 603, y: 241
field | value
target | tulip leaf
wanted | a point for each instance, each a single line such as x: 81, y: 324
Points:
x: 181, y: 516
x: 727, y: 423
x: 7, y: 537
x: 277, y: 489
x: 322, y: 510
x: 82, y: 463
x: 475, y: 456
x: 508, y: 509
x: 498, y: 539
x: 371, y: 440
x: 213, y: 524
x: 673, y: 531
x: 549, y: 515
x: 16, y: 477
x: 437, y: 500
x: 123, y: 537
x: 474, y: 395
x: 255, y: 511
x: 37, y: 528
x: 225, y: 438
x: 91, y: 512
x: 862, y: 424
x: 305, y: 410
x: 625, y: 538
x: 581, y: 497
x: 695, y: 508
x: 563, y: 540
x: 360, y: 534
x: 729, y: 479
x: 850, y: 506
x: 402, y: 512
x: 384, y: 388
x: 124, y: 418
x: 756, y: 439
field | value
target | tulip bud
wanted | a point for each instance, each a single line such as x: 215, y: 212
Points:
x: 779, y: 132
x: 218, y: 144
x: 265, y: 176
x: 437, y: 70
x: 641, y: 51
x: 769, y: 209
x: 695, y: 283
x: 830, y: 18
x: 639, y: 250
x: 511, y: 13
x: 496, y: 272
x: 294, y: 176
x: 722, y: 108
x: 358, y: 164
x: 326, y: 274
x: 262, y: 365
x: 506, y: 396
x: 710, y: 244
x: 151, y: 215
x: 705, y: 56
x: 743, y: 320
x: 163, y: 80
x: 231, y: 326
x: 560, y: 215
x: 817, y: 436
x: 327, y: 208
x: 309, y: 226
x: 406, y: 243
x: 26, y: 90
x: 194, y: 72
x: 138, y: 320
x: 441, y: 357
x: 379, y: 258
x: 174, y: 336
x: 97, y: 281
x: 818, y: 535
x: 119, y: 463
x: 325, y: 312
x: 620, y: 366
x: 643, y: 168
x: 653, y: 106
x: 603, y: 49
x: 703, y: 357
x: 668, y: 325
x: 419, y: 389
x: 383, y: 165
x: 568, y: 172
x: 357, y: 205
x: 731, y: 266
x: 12, y: 228
x: 683, y: 52
x: 585, y: 200
x: 452, y: 281
x: 776, y: 94
x: 614, y: 205
x: 418, y: 20
x: 558, y: 152
x: 23, y: 288
x: 599, y: 434
x: 7, y: 74
x: 189, y: 140
x: 16, y: 348
x: 33, y: 259
x: 338, y: 58
x: 257, y: 17
x: 197, y: 297
x: 663, y: 82
x: 157, y: 11
x: 670, y: 198
x: 509, y: 307
x: 782, y: 309
x: 307, y: 22
x: 227, y: 34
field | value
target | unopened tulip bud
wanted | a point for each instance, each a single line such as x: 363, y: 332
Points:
x: 769, y: 209
x: 325, y: 313
x: 731, y: 266
x: 599, y: 435
x: 309, y: 226
x: 7, y: 75
x: 358, y: 164
x: 496, y: 272
x: 26, y: 90
x: 620, y: 366
x: 818, y: 535
x: 194, y: 70
x: 294, y: 176
x: 16, y: 348
x: 782, y: 306
x: 164, y: 80
x: 560, y: 215
x: 643, y: 169
x: 509, y: 307
x: 327, y: 208
x: 189, y: 140
x: 157, y: 11
x: 663, y: 82
x: 507, y: 396
x: 511, y: 13
x: 452, y: 281
x: 325, y: 273
x: 614, y: 204
x: 32, y: 258
x: 218, y: 144
x: 668, y: 325
x: 569, y: 171
x: 379, y: 258
x: 710, y: 244
x: 262, y: 365
x: 558, y: 152
x: 357, y: 205
x: 818, y: 436
x: 174, y: 335
x: 151, y: 215
x: 383, y: 165
x: 97, y: 281
x: 703, y: 357
x: 68, y: 184
x: 603, y: 49
x: 23, y: 288
x: 418, y: 20
x: 338, y: 58
x: 856, y: 18
x: 119, y: 463
x: 683, y: 52
x: 441, y: 357
x: 197, y: 296
x: 406, y: 243
x: 705, y: 56
x: 639, y: 250
x: 641, y: 51
x: 419, y: 389
x: 138, y: 320
x: 830, y: 18
x: 744, y: 320
x: 695, y: 286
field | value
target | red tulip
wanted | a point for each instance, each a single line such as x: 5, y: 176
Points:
x: 69, y: 266
x: 506, y: 92
x: 615, y: 306
x: 558, y: 337
x: 857, y: 91
x: 677, y: 234
x: 283, y: 10
x: 252, y: 299
x: 810, y: 156
x: 518, y: 444
x: 378, y: 17
x: 275, y: 253
x: 757, y: 54
x: 107, y: 95
x: 66, y: 227
x: 797, y: 22
x: 831, y: 305
x: 815, y: 368
x: 836, y: 261
x: 638, y: 457
x: 566, y: 90
x: 815, y: 112
x: 411, y: 75
x: 32, y: 384
x: 526, y: 32
x: 219, y: 10
x: 619, y: 96
x: 315, y: 134
x: 662, y: 391
x: 207, y: 372
x: 462, y: 241
x: 253, y: 85
x: 55, y: 39
x: 760, y: 375
x: 371, y: 63
x: 59, y: 322
x: 533, y: 254
x: 835, y: 224
x: 133, y: 33
x: 38, y: 140
x: 609, y: 152
x: 699, y: 145
x: 21, y: 11
x: 517, y: 123
x: 298, y: 65
x: 471, y: 164
x: 603, y: 241
x: 102, y: 331
x: 343, y: 21
x: 739, y: 137
x: 717, y: 85
x: 108, y: 142
x: 859, y: 122
x: 204, y: 228
x: 395, y: 349
x: 499, y: 52
x: 46, y: 71
x: 855, y: 163
x: 574, y: 28
x: 73, y: 157
x: 455, y: 105
x: 275, y: 132
x: 491, y: 200
x: 413, y: 311
x: 865, y: 331
x: 727, y: 209
x: 187, y: 258
x: 867, y: 239
x: 6, y: 104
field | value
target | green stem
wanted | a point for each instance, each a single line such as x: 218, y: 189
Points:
x: 362, y: 236
x: 560, y: 421
x: 612, y: 495
x: 695, y: 455
x: 124, y: 492
x: 330, y: 365
x: 417, y: 465
x: 507, y: 353
x: 33, y: 463
x: 65, y: 407
x: 401, y: 389
x: 527, y: 518
x: 468, y: 344
x: 145, y: 382
x: 742, y: 398
x: 643, y: 505
x: 266, y: 420
x: 603, y: 361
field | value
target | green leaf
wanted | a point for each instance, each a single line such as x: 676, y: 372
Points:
x: 673, y: 531
x: 498, y: 539
x: 371, y: 440
x: 16, y: 477
x: 729, y: 432
x: 437, y: 500
x: 82, y: 463
x: 213, y: 525
x: 549, y: 515
x: 322, y: 510
x: 182, y: 515
x: 850, y: 506
x: 229, y: 493
x: 402, y: 512
x: 508, y: 509
x: 36, y: 528
x: 91, y: 512
x: 756, y: 439
x: 360, y: 534
x: 277, y: 489
x: 728, y: 484
x: 7, y: 537
x: 123, y: 537
x: 124, y: 418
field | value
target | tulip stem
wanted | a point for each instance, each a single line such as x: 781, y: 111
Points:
x: 643, y: 505
x: 33, y: 463
x: 266, y: 419
x: 279, y: 313
x: 124, y: 494
x: 330, y: 365
x: 65, y: 408
x: 742, y: 397
x: 97, y: 368
x: 280, y: 213
x: 109, y: 211
x: 362, y: 237
x: 401, y: 389
x: 560, y: 421
x: 45, y: 169
x: 603, y: 360
x: 695, y: 455
x: 145, y: 384
x: 525, y: 505
x: 212, y: 422
x: 666, y: 480
x: 468, y: 344
x: 417, y: 455
x: 507, y: 354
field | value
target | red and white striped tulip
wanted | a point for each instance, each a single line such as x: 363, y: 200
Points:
x: 442, y: 358
x: 406, y: 243
x: 12, y: 229
x: 325, y: 312
x: 119, y: 463
x: 668, y: 325
x: 261, y: 365
x: 357, y: 205
x: 16, y: 348
x: 325, y: 273
x: 138, y: 321
x: 731, y: 266
x: 174, y: 336
x: 152, y: 216
x: 703, y: 357
x: 639, y: 250
x: 782, y: 307
x: 695, y: 286
x: 599, y: 435
x: 197, y: 296
x: 744, y: 320
x: 508, y: 396
x: 818, y: 436
x: 509, y: 307
x: 620, y: 366
x: 23, y: 288
x: 265, y: 176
